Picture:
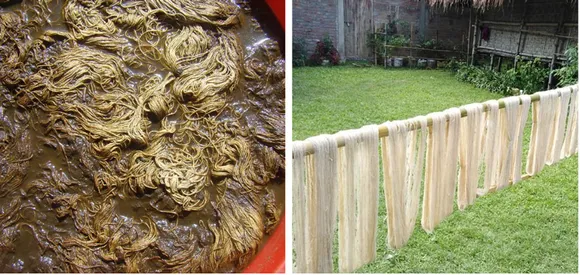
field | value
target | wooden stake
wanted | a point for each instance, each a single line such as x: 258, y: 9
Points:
x: 522, y: 24
x: 474, y: 46
x: 468, y: 37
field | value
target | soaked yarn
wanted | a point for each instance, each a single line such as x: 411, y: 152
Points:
x: 89, y: 87
x: 146, y: 160
x: 219, y: 13
x: 202, y: 84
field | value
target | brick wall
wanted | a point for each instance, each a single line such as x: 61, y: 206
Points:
x: 312, y: 20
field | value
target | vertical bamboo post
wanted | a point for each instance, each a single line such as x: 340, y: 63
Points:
x: 412, y: 33
x: 374, y: 30
x: 522, y: 24
x: 558, y: 30
x: 385, y: 47
x: 468, y: 37
x: 474, y: 45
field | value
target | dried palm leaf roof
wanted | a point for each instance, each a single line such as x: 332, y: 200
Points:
x: 478, y: 4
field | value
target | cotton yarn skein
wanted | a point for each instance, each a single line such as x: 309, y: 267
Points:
x: 358, y: 197
x: 321, y: 202
x: 472, y: 128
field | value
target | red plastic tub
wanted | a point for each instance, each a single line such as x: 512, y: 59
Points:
x: 272, y: 258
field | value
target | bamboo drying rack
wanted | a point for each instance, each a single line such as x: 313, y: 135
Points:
x: 384, y: 131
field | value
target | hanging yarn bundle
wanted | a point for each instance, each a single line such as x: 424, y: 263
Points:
x: 315, y: 182
x: 522, y: 118
x: 403, y: 154
x: 358, y: 197
x: 470, y: 144
x: 543, y: 117
x: 441, y: 168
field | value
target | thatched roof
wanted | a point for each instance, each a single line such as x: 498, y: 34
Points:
x: 478, y: 4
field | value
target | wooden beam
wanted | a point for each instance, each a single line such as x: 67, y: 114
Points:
x: 419, y: 48
x: 340, y: 30
x: 522, y: 24
x: 385, y: 51
x: 374, y: 29
x: 474, y: 45
x: 548, y: 34
x: 529, y: 24
x: 504, y: 53
x: 468, y: 37
x: 558, y: 30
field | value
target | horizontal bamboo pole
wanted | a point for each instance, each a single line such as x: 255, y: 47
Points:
x: 383, y: 131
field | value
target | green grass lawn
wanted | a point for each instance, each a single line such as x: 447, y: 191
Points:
x: 529, y: 227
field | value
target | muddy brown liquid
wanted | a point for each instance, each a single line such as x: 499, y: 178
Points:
x: 36, y: 227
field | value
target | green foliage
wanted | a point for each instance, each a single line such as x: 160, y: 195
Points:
x: 482, y: 78
x: 398, y: 34
x: 429, y: 44
x: 568, y: 74
x: 529, y: 76
x: 299, y: 54
x: 399, y: 40
x: 377, y: 43
x: 453, y: 65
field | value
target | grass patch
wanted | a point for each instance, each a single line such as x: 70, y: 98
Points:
x: 330, y: 99
x: 529, y: 227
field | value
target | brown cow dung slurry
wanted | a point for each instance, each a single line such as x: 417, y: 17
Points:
x: 137, y: 136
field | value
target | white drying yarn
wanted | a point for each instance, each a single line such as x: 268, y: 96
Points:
x: 358, y: 197
x: 321, y: 203
x: 557, y: 140
x: 491, y: 154
x: 543, y: 114
x: 507, y: 134
x: 300, y: 234
x: 522, y: 118
x: 571, y: 139
x: 441, y: 168
x: 403, y: 152
x: 470, y: 142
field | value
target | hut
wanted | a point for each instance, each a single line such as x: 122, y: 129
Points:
x: 528, y: 29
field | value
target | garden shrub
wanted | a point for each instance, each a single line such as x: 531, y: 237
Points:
x: 299, y: 54
x: 325, y: 50
x: 529, y: 76
x: 568, y: 74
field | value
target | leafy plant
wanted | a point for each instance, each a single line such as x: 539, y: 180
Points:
x: 325, y: 50
x: 529, y: 76
x: 453, y: 65
x: 429, y: 44
x: 377, y: 43
x: 399, y: 40
x: 568, y: 74
x: 299, y: 54
x: 397, y: 34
